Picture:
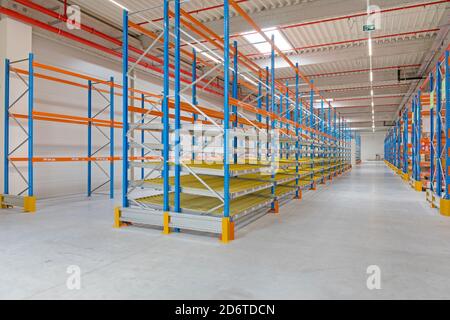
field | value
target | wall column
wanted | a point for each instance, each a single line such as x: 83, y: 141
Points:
x: 15, y: 44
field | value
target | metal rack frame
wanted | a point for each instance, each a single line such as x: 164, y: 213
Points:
x: 284, y: 117
x: 439, y: 85
x: 435, y: 93
x: 15, y: 155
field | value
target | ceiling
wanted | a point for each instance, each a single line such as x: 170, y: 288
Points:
x: 327, y: 38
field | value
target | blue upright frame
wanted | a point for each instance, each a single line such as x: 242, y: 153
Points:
x: 125, y: 145
x: 226, y: 108
x: 431, y: 80
x: 30, y: 125
x: 177, y: 40
x: 235, y: 96
x: 405, y: 140
x: 89, y: 142
x: 439, y: 167
x: 165, y: 107
x: 447, y: 123
x: 6, y: 129
x: 194, y: 96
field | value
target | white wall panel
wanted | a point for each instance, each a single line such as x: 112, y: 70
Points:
x: 11, y: 32
x: 372, y: 144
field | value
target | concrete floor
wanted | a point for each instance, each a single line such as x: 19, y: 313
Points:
x: 318, y: 248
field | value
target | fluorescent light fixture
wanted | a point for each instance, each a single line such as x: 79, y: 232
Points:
x: 373, y: 104
x: 300, y: 85
x: 370, y: 47
x: 209, y: 57
x: 262, y: 45
x: 371, y: 92
x: 249, y: 80
x: 119, y: 5
x: 325, y: 100
x: 371, y: 76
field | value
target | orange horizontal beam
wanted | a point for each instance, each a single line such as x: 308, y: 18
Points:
x: 273, y: 116
x: 53, y: 117
x: 89, y: 78
x: 250, y: 21
x: 63, y: 116
x: 70, y: 73
x: 85, y: 86
x: 200, y: 26
x: 79, y: 159
x: 80, y: 120
x: 66, y: 119
x: 213, y: 38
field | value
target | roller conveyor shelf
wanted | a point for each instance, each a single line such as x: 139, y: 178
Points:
x: 318, y: 177
x: 208, y: 169
x: 239, y: 187
x: 212, y: 206
x: 281, y: 177
x: 205, y: 130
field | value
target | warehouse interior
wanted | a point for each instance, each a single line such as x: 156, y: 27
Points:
x: 224, y: 149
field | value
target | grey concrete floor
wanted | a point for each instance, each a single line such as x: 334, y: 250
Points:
x: 318, y: 248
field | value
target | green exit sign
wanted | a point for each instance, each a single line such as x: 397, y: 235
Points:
x: 369, y: 27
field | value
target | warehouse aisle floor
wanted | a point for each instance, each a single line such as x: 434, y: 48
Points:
x: 317, y: 248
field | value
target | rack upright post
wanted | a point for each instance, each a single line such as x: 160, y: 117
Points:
x: 6, y: 130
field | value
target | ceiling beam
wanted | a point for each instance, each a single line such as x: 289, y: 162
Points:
x: 353, y: 52
x: 435, y: 50
x: 380, y: 78
x: 406, y: 69
x: 302, y: 12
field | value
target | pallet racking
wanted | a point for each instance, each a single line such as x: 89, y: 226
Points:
x: 25, y: 121
x: 438, y: 84
x: 356, y: 149
x: 259, y: 163
x: 424, y: 159
x: 99, y: 121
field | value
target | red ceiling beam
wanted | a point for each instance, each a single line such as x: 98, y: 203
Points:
x: 356, y: 15
x: 103, y: 36
x: 197, y: 11
x: 94, y: 45
x: 364, y: 14
x: 83, y: 27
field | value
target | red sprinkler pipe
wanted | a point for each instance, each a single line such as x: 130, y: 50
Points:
x: 65, y: 8
x: 102, y: 35
x: 363, y: 14
x: 86, y: 42
x: 351, y: 16
x: 198, y: 11
x: 63, y: 33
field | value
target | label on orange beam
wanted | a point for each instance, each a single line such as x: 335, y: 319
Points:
x: 78, y: 159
